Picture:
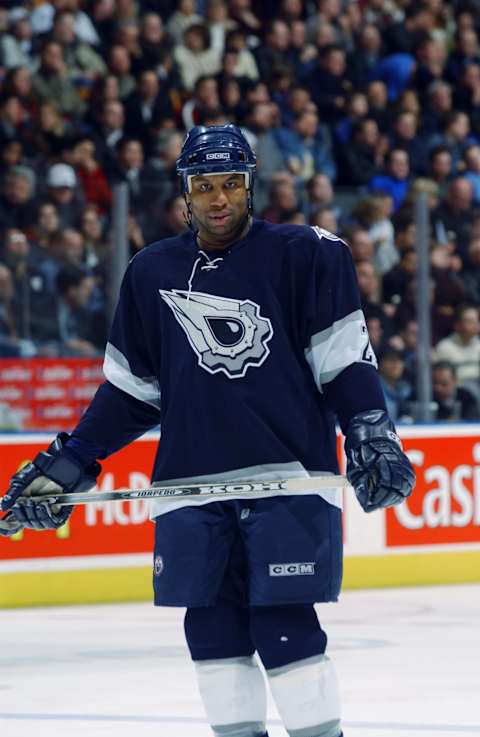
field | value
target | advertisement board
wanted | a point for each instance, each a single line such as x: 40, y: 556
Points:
x: 104, y: 552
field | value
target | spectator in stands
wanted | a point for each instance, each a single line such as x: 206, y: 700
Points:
x: 403, y: 35
x: 377, y: 97
x: 329, y: 85
x: 183, y: 18
x: 52, y: 81
x: 363, y: 158
x: 160, y: 180
x: 462, y: 347
x: 307, y: 148
x: 130, y: 160
x: 405, y: 136
x: 43, y: 16
x: 45, y: 227
x: 455, y: 136
x: 396, y: 390
x: 149, y: 103
x: 283, y: 200
x: 18, y: 82
x: 262, y: 124
x: 359, y: 242
x: 471, y: 272
x: 373, y: 213
x: 246, y: 66
x: 92, y: 177
x: 32, y: 301
x: 396, y: 179
x: 440, y: 167
x: 63, y: 191
x: 16, y: 49
x: 324, y: 218
x: 195, y: 58
x: 81, y: 332
x: 271, y: 54
x: 9, y: 343
x: 370, y: 295
x: 11, y: 154
x: 439, y: 106
x: 471, y: 156
x: 92, y: 230
x: 302, y: 55
x: 454, y: 216
x: 120, y: 66
x: 219, y: 23
x: 465, y: 52
x: 174, y: 218
x: 366, y: 54
x: 320, y: 196
x: 12, y: 118
x: 407, y: 341
x: 450, y: 291
x: 356, y: 109
x: 431, y: 57
x: 205, y: 99
x: 81, y: 59
x: 242, y: 13
x: 453, y: 402
x: 396, y: 281
x: 467, y: 96
x: 104, y: 89
x: 17, y: 198
x: 154, y: 44
x: 108, y: 133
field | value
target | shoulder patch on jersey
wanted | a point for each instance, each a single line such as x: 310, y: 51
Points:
x: 322, y: 233
x: 228, y: 335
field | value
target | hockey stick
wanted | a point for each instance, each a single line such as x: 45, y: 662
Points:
x: 243, y: 489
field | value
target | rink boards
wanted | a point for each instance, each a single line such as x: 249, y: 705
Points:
x: 104, y: 553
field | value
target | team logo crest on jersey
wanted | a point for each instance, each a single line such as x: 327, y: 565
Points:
x: 228, y: 335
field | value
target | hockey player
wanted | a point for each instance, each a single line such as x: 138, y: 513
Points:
x: 244, y: 340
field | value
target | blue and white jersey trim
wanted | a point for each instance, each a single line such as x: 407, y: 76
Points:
x: 345, y: 342
x: 118, y: 372
x: 269, y: 471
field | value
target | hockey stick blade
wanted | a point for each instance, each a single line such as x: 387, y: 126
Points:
x: 243, y: 489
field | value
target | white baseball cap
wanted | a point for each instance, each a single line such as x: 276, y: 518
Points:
x: 61, y: 175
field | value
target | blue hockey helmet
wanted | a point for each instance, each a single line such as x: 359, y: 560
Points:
x: 217, y: 149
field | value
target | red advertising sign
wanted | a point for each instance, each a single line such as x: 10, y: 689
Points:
x: 445, y: 506
x: 94, y: 529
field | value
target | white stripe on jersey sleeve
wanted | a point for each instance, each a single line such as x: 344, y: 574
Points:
x: 345, y: 342
x: 118, y: 372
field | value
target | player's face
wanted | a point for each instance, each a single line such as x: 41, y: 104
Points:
x: 219, y: 206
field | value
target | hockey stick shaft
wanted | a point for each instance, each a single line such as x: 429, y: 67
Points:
x: 245, y: 489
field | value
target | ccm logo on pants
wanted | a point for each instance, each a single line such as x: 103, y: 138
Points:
x: 291, y: 569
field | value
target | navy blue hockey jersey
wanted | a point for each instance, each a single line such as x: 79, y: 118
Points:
x: 232, y: 352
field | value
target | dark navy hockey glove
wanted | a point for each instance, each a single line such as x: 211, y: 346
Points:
x: 54, y: 471
x: 377, y: 467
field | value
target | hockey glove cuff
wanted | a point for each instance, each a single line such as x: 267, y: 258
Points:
x: 377, y: 467
x: 54, y: 471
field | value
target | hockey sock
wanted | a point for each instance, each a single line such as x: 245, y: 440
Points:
x: 234, y: 696
x: 285, y: 634
x: 302, y: 679
x: 231, y: 684
x: 307, y: 697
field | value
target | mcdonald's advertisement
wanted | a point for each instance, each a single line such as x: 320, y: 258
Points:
x: 433, y: 537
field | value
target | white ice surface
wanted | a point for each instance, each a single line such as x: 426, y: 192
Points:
x: 408, y: 661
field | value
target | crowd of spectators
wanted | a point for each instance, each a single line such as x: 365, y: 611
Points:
x: 353, y: 107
